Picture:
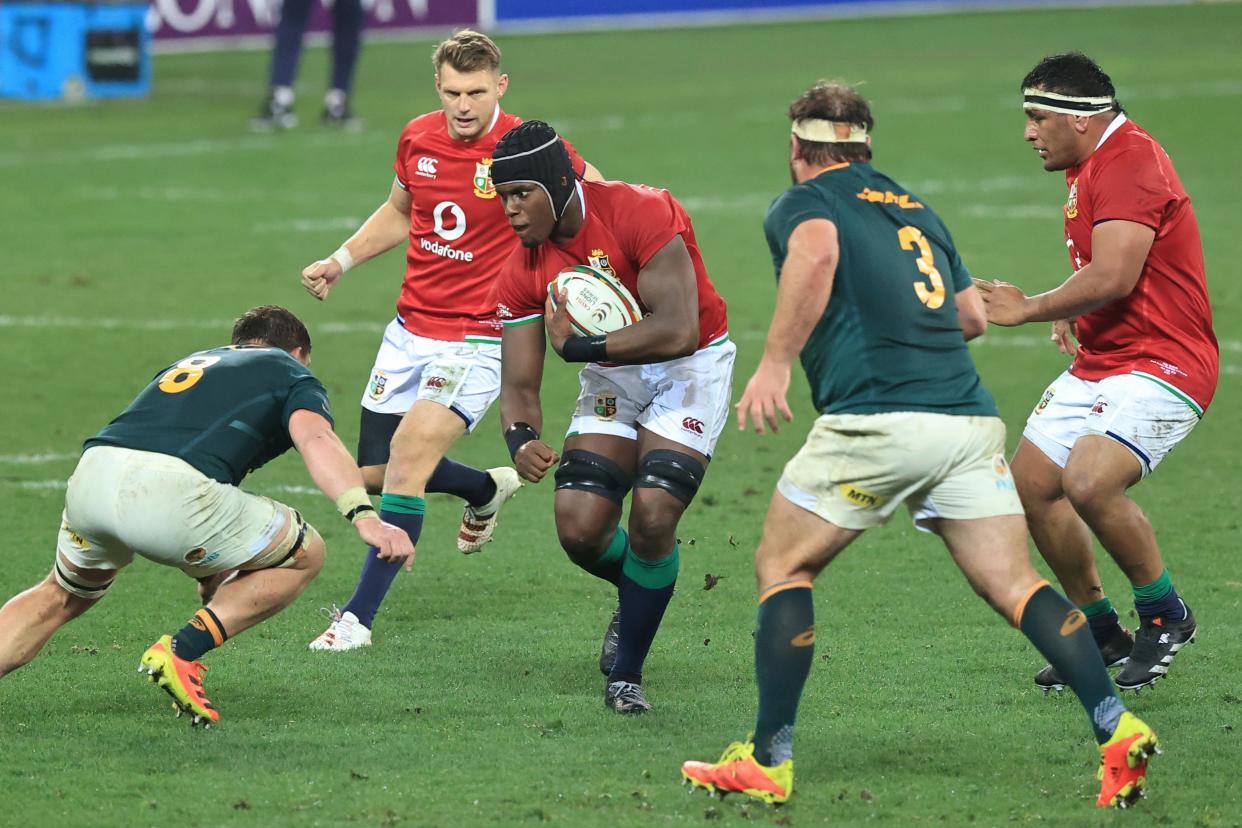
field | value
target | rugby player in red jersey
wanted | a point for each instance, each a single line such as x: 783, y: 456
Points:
x: 1145, y: 364
x: 654, y: 396
x: 438, y: 367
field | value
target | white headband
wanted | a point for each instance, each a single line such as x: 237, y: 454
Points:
x: 829, y: 132
x: 1033, y: 98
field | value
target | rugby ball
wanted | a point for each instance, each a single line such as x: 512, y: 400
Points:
x: 596, y: 301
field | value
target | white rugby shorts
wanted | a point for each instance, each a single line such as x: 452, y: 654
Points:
x: 461, y: 376
x: 121, y: 502
x: 854, y: 470
x: 1139, y: 413
x: 685, y: 400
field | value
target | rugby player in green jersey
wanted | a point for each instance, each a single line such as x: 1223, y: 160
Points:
x: 874, y: 297
x: 161, y: 482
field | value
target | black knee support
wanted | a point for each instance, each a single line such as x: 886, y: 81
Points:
x: 374, y: 437
x: 587, y: 471
x: 675, y: 472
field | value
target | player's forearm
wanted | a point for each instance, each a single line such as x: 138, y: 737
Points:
x: 386, y: 228
x: 520, y: 405
x: 654, y: 339
x: 330, y: 464
x: 1089, y: 289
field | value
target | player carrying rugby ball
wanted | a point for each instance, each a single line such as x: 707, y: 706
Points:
x: 655, y: 394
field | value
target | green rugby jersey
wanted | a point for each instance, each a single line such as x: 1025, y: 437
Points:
x: 890, y: 338
x: 224, y: 411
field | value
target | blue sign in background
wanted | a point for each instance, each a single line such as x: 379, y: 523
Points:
x: 514, y: 10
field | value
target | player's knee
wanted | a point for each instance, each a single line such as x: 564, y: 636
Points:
x: 586, y: 471
x: 582, y: 543
x: 653, y: 531
x: 675, y: 472
x: 1086, y: 490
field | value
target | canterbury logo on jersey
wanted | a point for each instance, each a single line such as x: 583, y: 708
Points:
x: 427, y: 166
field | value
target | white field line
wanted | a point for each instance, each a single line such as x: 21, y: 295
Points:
x: 342, y: 327
x: 41, y: 457
x: 308, y: 225
x: 62, y: 484
x: 1216, y: 88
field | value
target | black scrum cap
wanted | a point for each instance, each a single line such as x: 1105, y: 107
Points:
x: 532, y: 153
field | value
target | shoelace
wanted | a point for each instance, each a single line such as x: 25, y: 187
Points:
x: 737, y: 751
x: 333, y: 614
x: 628, y: 692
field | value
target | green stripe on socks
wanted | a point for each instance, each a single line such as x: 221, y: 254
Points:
x: 1097, y: 608
x: 652, y: 574
x: 1154, y: 591
x: 403, y: 504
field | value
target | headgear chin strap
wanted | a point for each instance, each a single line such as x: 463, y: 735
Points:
x: 1033, y: 98
x: 532, y: 153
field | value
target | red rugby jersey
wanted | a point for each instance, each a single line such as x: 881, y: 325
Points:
x: 459, y: 236
x: 1163, y: 329
x: 625, y: 225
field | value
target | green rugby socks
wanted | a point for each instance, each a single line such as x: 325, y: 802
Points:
x: 1059, y: 630
x: 645, y: 588
x: 203, y: 632
x: 784, y: 648
x: 1159, y: 598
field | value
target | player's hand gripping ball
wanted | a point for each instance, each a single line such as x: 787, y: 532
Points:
x: 596, y: 302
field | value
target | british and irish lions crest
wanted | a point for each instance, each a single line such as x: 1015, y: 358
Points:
x: 599, y: 260
x: 605, y: 406
x: 483, y: 187
x: 376, y: 388
x: 1071, y: 205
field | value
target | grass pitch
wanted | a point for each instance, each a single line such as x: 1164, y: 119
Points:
x: 136, y: 230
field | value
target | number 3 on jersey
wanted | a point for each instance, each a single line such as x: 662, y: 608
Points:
x: 185, y: 373
x: 910, y: 237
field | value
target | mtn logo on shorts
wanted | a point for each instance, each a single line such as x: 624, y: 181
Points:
x: 376, y: 389
x: 195, y: 555
x: 861, y: 497
x: 692, y: 425
x: 74, y: 538
x: 435, y: 382
x: 605, y: 407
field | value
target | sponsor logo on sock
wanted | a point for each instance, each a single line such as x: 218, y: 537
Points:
x: 803, y: 639
x: 1073, y: 621
x: 197, y: 624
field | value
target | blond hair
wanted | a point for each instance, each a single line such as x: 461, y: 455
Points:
x: 467, y: 51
